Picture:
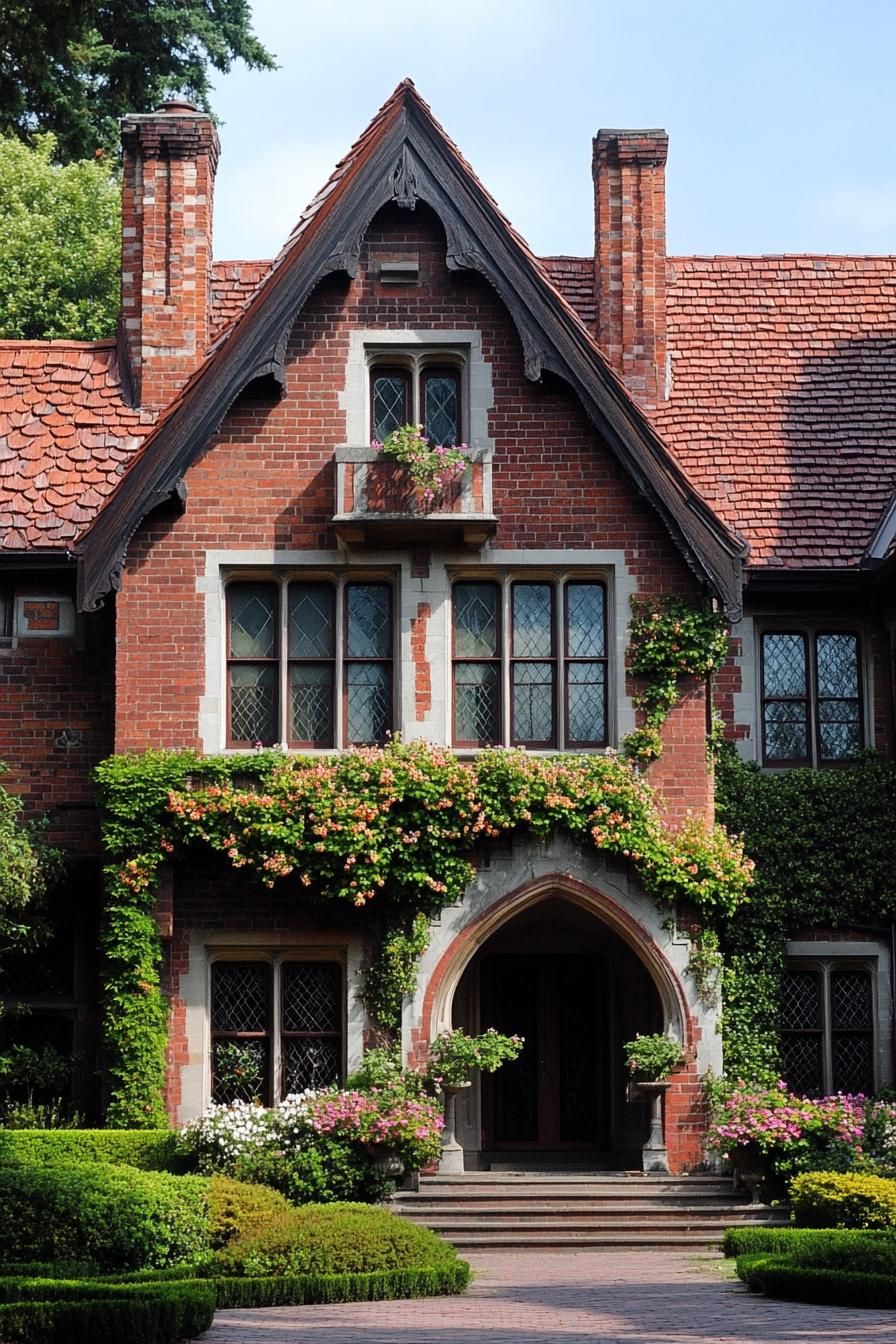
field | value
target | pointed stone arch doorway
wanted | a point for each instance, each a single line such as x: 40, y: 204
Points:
x: 563, y: 978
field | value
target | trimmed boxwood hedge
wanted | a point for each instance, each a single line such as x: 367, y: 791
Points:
x: 805, y: 1241
x: 85, y: 1312
x: 147, y: 1149
x: 780, y: 1276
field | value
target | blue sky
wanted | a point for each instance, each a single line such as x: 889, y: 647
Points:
x: 781, y: 116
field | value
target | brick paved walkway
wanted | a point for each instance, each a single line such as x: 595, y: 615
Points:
x: 571, y: 1298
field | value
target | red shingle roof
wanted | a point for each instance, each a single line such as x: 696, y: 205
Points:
x: 66, y: 435
x: 783, y: 398
x: 233, y: 283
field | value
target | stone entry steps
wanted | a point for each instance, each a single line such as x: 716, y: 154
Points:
x: 579, y: 1211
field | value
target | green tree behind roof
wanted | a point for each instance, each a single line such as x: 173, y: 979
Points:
x: 60, y: 238
x: 75, y: 67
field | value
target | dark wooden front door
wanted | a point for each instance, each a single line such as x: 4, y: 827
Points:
x: 553, y: 1096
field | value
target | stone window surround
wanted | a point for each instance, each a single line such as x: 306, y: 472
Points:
x: 748, y: 700
x: 413, y: 592
x: 372, y: 344
x: 194, y: 991
x: 875, y: 955
x: 338, y: 578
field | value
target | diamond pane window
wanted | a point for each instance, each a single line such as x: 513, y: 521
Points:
x: 390, y: 401
x: 252, y: 619
x: 811, y: 705
x: 585, y: 622
x: 827, y: 1027
x: 312, y: 623
x: 253, y: 699
x: 550, y: 701
x: 368, y: 695
x: 532, y: 711
x: 311, y: 1024
x: 476, y: 620
x: 476, y: 691
x: 441, y: 406
x: 275, y: 1021
x: 369, y: 620
x: 586, y: 703
x: 286, y: 662
x: 533, y: 703
x: 533, y: 620
x: 586, y: 665
x: 241, y: 1030
x: 311, y: 704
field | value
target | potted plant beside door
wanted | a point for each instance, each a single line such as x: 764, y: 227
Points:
x: 650, y: 1060
x: 453, y: 1058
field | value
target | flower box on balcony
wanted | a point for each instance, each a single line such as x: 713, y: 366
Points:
x: 377, y: 502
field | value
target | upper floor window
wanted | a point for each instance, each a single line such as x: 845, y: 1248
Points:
x: 418, y: 391
x: 276, y: 1028
x: 811, y: 697
x: 827, y: 1027
x: 309, y: 662
x: 530, y: 663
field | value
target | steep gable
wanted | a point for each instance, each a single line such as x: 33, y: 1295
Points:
x: 405, y: 157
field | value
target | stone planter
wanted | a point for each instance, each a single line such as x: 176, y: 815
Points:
x: 451, y: 1161
x: 385, y: 1159
x: 755, y: 1171
x: 654, y: 1154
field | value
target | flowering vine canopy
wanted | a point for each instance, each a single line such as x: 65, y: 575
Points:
x: 392, y: 827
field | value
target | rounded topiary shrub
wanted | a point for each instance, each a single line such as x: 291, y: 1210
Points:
x: 238, y: 1209
x: 334, y: 1239
x: 114, y: 1217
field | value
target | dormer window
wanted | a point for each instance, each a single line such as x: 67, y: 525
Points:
x: 417, y: 392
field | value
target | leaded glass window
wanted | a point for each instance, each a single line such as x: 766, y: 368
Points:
x: 440, y: 396
x: 311, y: 1024
x: 827, y: 1027
x: 280, y: 1020
x: 477, y: 664
x: 417, y: 391
x: 390, y: 401
x: 241, y: 1031
x: 252, y: 660
x: 533, y: 669
x: 586, y: 665
x: 811, y: 697
x: 287, y: 662
x: 551, y: 700
x: 368, y: 662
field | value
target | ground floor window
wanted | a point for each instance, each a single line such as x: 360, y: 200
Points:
x: 276, y: 1026
x: 827, y: 1027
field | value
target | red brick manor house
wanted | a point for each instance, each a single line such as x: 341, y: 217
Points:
x: 201, y: 549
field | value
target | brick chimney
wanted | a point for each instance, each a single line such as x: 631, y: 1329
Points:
x: 629, y: 170
x: 170, y: 157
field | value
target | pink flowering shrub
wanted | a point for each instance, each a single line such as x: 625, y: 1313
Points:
x: 796, y: 1133
x: 433, y: 467
x: 381, y: 1117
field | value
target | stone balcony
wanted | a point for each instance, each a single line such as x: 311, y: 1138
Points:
x: 376, y: 503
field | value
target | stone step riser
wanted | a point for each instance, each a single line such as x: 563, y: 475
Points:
x: 646, y: 1217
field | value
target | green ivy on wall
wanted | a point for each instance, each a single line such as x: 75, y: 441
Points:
x: 824, y: 846
x: 669, y: 638
x: 390, y: 829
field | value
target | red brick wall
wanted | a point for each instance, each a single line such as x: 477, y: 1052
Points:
x: 48, y: 685
x: 267, y: 482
